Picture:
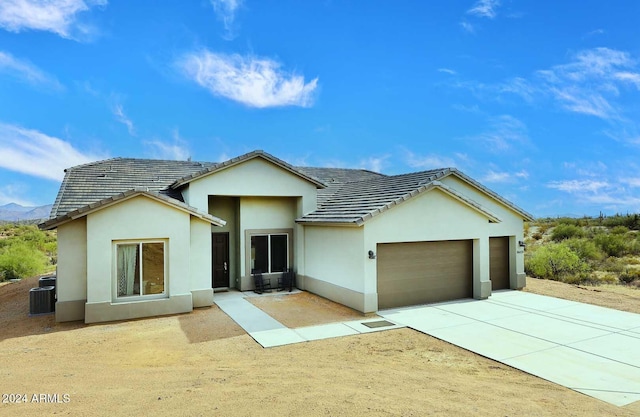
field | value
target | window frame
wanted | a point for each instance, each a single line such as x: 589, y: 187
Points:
x: 249, y: 234
x: 138, y: 297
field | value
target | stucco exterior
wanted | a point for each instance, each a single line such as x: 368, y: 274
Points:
x: 71, y: 286
x: 258, y: 195
x: 512, y: 225
x: 335, y: 264
x: 139, y: 219
x: 253, y: 178
x: 338, y: 267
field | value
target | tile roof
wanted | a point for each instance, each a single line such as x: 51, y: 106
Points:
x: 354, y: 202
x: 335, y: 178
x: 345, y: 196
x: 242, y: 158
x: 89, y: 183
x: 116, y: 198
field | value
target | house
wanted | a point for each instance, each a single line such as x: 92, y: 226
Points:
x: 140, y: 238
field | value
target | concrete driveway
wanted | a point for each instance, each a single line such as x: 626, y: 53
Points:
x: 590, y: 349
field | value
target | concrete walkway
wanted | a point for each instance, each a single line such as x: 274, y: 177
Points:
x: 590, y: 349
x: 269, y: 332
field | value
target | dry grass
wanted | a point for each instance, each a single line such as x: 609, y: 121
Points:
x: 202, y: 363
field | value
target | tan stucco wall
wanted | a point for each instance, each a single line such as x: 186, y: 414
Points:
x: 335, y: 264
x: 265, y: 214
x: 337, y: 257
x: 200, y: 263
x: 431, y: 216
x: 255, y: 177
x: 512, y: 225
x: 71, y: 284
x: 139, y: 218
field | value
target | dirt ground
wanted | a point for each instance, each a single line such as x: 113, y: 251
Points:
x: 202, y: 363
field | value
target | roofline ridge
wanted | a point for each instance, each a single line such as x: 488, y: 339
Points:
x: 92, y: 163
x: 246, y: 157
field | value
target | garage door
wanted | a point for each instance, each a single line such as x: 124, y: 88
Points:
x: 424, y: 272
x: 499, y: 262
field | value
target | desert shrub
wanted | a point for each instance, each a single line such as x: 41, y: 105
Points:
x: 612, y: 244
x: 609, y: 279
x: 20, y: 260
x: 555, y: 261
x: 630, y: 275
x: 585, y: 249
x: 630, y: 221
x: 566, y: 231
x: 537, y: 236
x: 612, y: 264
x: 619, y: 230
x: 581, y: 278
x: 632, y: 261
x: 544, y: 226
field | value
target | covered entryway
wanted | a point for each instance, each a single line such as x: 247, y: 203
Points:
x: 424, y: 272
x: 220, y: 259
x: 499, y: 263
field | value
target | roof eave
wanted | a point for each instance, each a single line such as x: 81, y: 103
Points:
x: 127, y: 195
x: 243, y: 158
x: 524, y: 214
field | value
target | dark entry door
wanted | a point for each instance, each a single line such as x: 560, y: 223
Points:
x: 220, y: 256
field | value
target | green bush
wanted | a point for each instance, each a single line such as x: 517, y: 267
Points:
x: 25, y: 250
x: 566, y: 231
x: 20, y: 261
x: 555, y: 261
x: 612, y: 264
x: 630, y: 221
x: 612, y: 244
x: 629, y: 276
x: 585, y: 249
x: 619, y: 230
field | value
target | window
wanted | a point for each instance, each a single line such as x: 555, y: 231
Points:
x: 140, y: 269
x: 269, y: 253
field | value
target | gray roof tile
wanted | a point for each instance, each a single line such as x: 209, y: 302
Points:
x: 345, y: 196
x: 89, y: 183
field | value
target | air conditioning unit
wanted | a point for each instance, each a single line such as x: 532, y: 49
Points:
x: 49, y: 281
x: 42, y: 300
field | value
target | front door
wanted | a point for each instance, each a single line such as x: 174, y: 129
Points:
x: 220, y: 256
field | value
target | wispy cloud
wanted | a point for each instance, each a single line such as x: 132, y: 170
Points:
x: 226, y: 11
x: 429, y: 161
x: 447, y: 71
x: 578, y: 186
x: 27, y: 72
x: 591, y: 83
x: 121, y: 117
x: 178, y: 149
x: 14, y: 193
x: 252, y: 81
x: 485, y: 8
x: 374, y: 163
x: 602, y: 194
x: 468, y: 27
x: 504, y: 133
x: 504, y: 177
x: 34, y: 153
x: 57, y: 16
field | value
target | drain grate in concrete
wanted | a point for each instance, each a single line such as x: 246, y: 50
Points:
x: 376, y: 324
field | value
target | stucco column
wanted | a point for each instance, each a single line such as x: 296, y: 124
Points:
x: 481, y: 279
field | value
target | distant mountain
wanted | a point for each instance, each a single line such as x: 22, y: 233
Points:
x: 13, y: 212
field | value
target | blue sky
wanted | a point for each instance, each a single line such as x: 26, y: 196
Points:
x: 538, y: 100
